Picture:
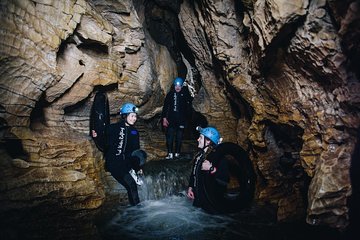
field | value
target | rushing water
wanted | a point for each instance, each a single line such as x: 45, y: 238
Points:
x: 166, y: 213
x: 174, y: 217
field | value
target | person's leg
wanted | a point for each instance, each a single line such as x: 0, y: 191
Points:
x: 129, y: 183
x: 178, y: 141
x: 170, y: 140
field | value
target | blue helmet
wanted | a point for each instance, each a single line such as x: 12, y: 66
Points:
x: 178, y: 81
x: 127, y: 108
x: 211, y: 133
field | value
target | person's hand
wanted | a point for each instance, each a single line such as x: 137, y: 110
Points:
x: 140, y: 172
x: 206, y: 165
x: 165, y: 122
x: 93, y: 133
x: 190, y: 193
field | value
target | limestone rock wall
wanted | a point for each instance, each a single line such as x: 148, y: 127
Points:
x: 286, y: 67
x: 54, y: 56
x: 278, y: 77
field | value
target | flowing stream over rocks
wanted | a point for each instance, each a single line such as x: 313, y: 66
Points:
x: 166, y: 213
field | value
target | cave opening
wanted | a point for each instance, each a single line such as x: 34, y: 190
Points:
x: 278, y: 46
x: 90, y: 47
x: 162, y: 22
x: 106, y: 88
x: 287, y: 143
x: 37, y: 116
x: 61, y: 51
x: 93, y: 46
x: 288, y: 138
x: 14, y: 148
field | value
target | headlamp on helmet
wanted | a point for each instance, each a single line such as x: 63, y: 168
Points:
x: 178, y: 81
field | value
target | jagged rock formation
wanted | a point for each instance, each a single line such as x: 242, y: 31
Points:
x: 277, y: 77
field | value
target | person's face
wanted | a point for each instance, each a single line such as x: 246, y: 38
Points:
x: 178, y: 88
x: 202, y: 141
x: 131, y: 118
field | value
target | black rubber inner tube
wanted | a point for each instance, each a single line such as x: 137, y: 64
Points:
x: 100, y: 118
x: 238, y: 193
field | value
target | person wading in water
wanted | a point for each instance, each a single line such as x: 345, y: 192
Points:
x: 208, y: 170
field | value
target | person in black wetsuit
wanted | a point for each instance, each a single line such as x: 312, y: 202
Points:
x: 122, y: 152
x: 209, y: 175
x: 176, y: 110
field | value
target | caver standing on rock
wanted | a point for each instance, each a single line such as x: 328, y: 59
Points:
x: 175, y: 113
x: 209, y: 175
x: 123, y: 157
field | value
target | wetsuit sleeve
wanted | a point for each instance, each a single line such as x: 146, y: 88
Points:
x: 192, y: 177
x: 193, y: 171
x: 165, y: 109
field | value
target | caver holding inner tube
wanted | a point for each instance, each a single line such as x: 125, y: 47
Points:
x: 123, y: 157
x: 222, y: 177
x: 205, y: 165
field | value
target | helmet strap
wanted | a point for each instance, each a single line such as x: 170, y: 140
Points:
x: 206, y: 139
x: 208, y: 148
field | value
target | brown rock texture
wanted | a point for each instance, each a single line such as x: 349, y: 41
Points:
x: 280, y: 78
x: 285, y: 67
